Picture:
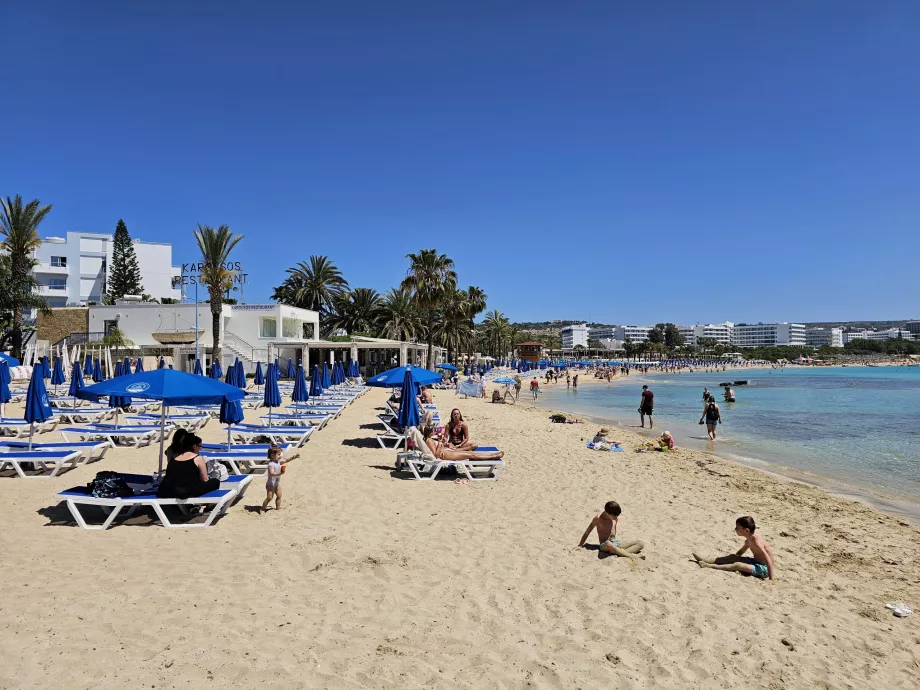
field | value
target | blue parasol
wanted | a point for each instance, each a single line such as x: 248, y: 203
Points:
x: 57, y: 375
x: 394, y: 377
x: 272, y: 396
x: 316, y: 382
x: 38, y: 409
x: 198, y: 370
x: 408, y: 404
x: 300, y: 393
x: 169, y: 386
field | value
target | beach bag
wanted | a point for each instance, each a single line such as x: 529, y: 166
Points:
x: 216, y: 470
x: 109, y: 485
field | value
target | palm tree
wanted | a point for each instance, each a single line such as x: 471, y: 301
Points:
x: 430, y: 277
x: 313, y: 286
x: 497, y: 330
x: 215, y: 246
x: 19, y: 228
x: 475, y: 303
x: 398, y: 318
x: 456, y: 328
x: 356, y: 311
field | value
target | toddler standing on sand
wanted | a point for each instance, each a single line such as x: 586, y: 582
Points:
x: 606, y: 525
x: 760, y: 566
x: 273, y: 477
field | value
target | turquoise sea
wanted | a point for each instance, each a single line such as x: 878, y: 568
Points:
x: 855, y: 430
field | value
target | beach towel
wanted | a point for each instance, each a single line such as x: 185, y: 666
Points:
x: 614, y: 447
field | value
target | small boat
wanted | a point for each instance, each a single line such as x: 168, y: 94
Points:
x: 740, y: 383
x: 726, y: 383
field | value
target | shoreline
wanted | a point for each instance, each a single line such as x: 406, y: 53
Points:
x: 895, y: 505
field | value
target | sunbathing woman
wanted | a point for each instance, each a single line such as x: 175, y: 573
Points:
x: 441, y: 452
x: 458, y: 433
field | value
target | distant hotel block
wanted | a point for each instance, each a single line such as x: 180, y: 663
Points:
x: 574, y: 335
x: 819, y: 337
x: 888, y: 334
x: 72, y: 270
x: 722, y: 333
x: 770, y: 334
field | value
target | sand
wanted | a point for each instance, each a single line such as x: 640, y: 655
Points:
x: 366, y: 579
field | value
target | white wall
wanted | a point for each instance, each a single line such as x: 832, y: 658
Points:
x: 155, y: 261
x: 139, y: 321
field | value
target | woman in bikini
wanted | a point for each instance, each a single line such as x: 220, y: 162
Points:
x: 441, y: 452
x: 458, y: 433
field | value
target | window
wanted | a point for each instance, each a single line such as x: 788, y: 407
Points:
x: 58, y: 284
x: 109, y: 324
x: 268, y: 327
x: 59, y: 261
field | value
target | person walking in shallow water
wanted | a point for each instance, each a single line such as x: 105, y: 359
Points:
x: 646, y: 406
x: 713, y: 416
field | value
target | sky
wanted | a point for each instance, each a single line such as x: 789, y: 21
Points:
x: 619, y: 162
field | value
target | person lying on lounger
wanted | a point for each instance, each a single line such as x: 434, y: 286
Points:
x: 442, y: 452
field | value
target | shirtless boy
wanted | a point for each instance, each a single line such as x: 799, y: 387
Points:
x: 606, y: 525
x: 760, y: 566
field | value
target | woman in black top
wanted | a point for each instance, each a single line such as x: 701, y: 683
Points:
x: 186, y: 473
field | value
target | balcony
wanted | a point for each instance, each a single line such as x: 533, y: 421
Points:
x: 55, y: 291
x: 45, y: 267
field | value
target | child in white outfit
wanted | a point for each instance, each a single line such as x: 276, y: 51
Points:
x: 273, y: 478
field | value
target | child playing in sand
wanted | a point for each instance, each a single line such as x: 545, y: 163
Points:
x: 760, y: 566
x: 273, y: 478
x: 606, y: 525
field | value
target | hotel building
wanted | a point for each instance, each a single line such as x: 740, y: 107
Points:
x: 819, y: 337
x: 72, y: 270
x: 769, y: 334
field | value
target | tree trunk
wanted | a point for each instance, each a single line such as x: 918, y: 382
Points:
x: 430, y: 339
x: 216, y: 313
x: 17, y: 333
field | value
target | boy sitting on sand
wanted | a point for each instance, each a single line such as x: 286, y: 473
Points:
x: 606, y: 525
x: 760, y: 566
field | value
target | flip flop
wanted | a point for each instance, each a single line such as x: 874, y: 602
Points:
x: 900, y: 609
x: 461, y: 480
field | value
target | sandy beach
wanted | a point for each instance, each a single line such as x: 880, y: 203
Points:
x: 367, y: 579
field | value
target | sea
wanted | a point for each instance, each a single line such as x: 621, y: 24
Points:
x: 852, y: 430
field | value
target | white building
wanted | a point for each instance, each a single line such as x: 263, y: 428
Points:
x: 887, y: 334
x: 722, y: 333
x: 251, y: 332
x: 602, y: 333
x: 72, y: 270
x: 247, y: 331
x: 769, y: 334
x: 574, y: 335
x: 855, y: 334
x: 819, y: 337
x: 637, y: 334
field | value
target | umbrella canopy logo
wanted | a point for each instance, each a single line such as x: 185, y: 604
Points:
x: 139, y: 387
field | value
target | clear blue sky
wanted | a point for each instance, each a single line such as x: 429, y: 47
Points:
x: 681, y: 161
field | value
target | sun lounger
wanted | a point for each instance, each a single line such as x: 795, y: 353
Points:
x: 44, y: 461
x: 425, y: 467
x: 230, y: 490
x: 90, y: 450
x: 20, y: 428
x: 82, y: 415
x: 282, y: 418
x: 130, y: 436
x: 189, y: 422
x: 295, y: 435
x: 311, y: 408
x: 239, y: 460
x: 287, y: 449
x: 394, y: 433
